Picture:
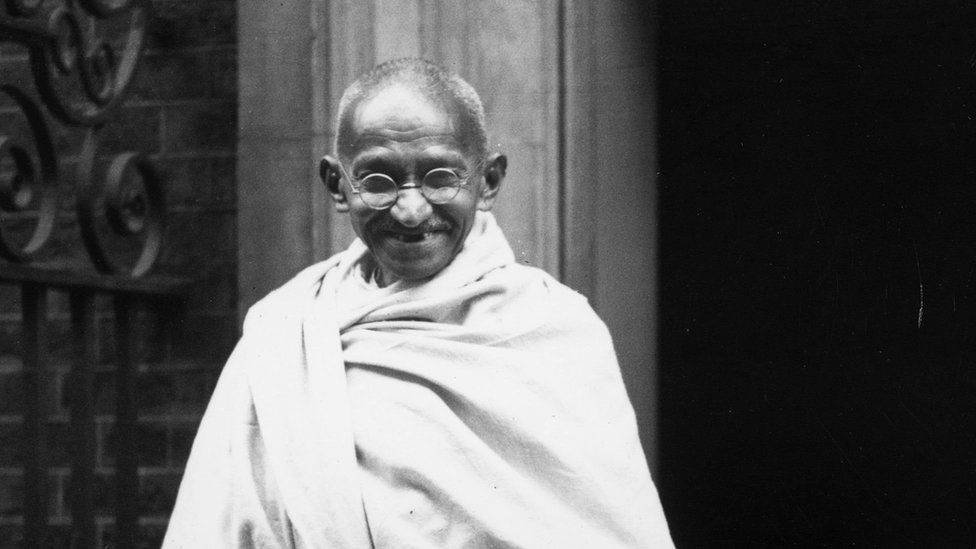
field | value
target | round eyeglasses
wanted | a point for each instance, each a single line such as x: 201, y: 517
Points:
x: 379, y: 191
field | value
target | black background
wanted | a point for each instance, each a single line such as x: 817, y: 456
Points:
x: 817, y: 190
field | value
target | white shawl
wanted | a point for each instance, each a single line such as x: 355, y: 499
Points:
x: 481, y: 408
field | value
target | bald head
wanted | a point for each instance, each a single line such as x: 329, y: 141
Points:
x: 415, y: 77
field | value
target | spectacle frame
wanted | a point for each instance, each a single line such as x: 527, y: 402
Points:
x: 380, y: 191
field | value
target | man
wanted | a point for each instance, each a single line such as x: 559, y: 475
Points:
x: 420, y: 389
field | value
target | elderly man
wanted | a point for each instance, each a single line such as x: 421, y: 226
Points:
x: 420, y: 389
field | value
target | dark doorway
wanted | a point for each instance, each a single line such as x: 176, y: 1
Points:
x: 818, y: 273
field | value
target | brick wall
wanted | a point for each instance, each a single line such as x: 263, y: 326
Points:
x: 182, y: 113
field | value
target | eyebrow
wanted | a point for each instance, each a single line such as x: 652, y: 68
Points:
x: 371, y: 159
x: 384, y: 159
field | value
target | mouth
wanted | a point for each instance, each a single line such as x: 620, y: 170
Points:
x: 411, y: 238
x: 424, y: 233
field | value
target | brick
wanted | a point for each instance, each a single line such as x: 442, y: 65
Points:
x: 10, y: 341
x: 223, y: 85
x: 208, y: 338
x: 11, y: 393
x: 193, y: 389
x: 57, y: 484
x: 151, y: 443
x: 11, y: 494
x: 68, y: 140
x: 58, y: 443
x: 107, y: 357
x: 186, y: 182
x: 101, y: 390
x: 202, y: 127
x: 172, y: 76
x: 183, y: 114
x: 150, y: 440
x: 180, y: 24
x: 10, y: 299
x: 196, y: 240
x: 58, y: 304
x: 11, y: 535
x: 105, y: 392
x: 60, y: 343
x: 151, y: 536
x: 16, y: 72
x: 11, y: 445
x: 106, y: 445
x: 203, y: 244
x: 65, y: 246
x: 215, y: 290
x: 132, y: 129
x: 59, y: 537
x: 17, y: 232
x: 181, y: 443
x: 16, y: 128
x: 224, y: 181
x: 105, y: 494
x: 12, y: 50
x: 157, y: 493
x: 156, y: 393
x: 105, y: 535
x: 60, y: 394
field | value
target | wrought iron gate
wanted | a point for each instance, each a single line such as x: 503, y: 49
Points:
x: 82, y: 56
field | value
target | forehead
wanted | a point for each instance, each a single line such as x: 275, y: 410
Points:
x: 400, y: 108
x: 401, y: 116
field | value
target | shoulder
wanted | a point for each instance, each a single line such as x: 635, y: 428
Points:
x: 535, y: 295
x: 290, y: 299
x: 534, y: 283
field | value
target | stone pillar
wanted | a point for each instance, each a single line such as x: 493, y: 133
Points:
x: 283, y: 126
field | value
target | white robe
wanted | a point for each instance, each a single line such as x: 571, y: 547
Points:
x: 481, y: 408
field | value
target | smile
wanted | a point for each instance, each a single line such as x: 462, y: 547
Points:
x: 422, y: 237
x: 411, y: 238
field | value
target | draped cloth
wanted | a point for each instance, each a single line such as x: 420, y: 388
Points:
x: 483, y: 407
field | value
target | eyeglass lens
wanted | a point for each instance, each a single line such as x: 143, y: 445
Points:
x: 440, y: 185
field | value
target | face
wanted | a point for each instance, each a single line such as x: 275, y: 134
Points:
x: 404, y: 135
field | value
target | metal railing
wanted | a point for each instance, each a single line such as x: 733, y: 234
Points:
x: 82, y: 56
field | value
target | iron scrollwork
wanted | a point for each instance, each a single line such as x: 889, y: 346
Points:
x: 83, y: 56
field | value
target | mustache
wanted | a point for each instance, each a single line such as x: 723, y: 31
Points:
x: 388, y: 224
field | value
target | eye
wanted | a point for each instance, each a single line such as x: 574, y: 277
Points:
x: 377, y: 183
x: 440, y: 178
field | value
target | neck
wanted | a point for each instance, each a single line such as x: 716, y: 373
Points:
x: 373, y: 271
x: 383, y: 279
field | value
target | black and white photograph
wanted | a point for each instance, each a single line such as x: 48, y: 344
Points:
x: 487, y: 274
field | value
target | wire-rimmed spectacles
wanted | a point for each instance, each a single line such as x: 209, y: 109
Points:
x: 379, y: 191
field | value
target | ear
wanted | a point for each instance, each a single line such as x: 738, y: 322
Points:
x: 331, y: 175
x: 495, y: 169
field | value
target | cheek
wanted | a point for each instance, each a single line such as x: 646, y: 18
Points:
x: 463, y: 212
x: 360, y: 217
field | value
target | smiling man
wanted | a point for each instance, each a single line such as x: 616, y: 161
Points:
x: 418, y: 164
x: 420, y: 389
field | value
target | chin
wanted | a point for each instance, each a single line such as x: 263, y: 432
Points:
x: 414, y: 261
x: 413, y: 272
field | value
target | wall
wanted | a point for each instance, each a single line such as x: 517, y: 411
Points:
x: 623, y: 190
x: 817, y: 298
x: 182, y: 114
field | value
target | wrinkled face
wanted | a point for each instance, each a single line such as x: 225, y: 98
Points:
x: 404, y: 135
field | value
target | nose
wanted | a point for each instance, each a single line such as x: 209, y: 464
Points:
x: 411, y: 208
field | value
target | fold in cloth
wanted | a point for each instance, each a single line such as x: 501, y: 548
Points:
x: 481, y: 408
